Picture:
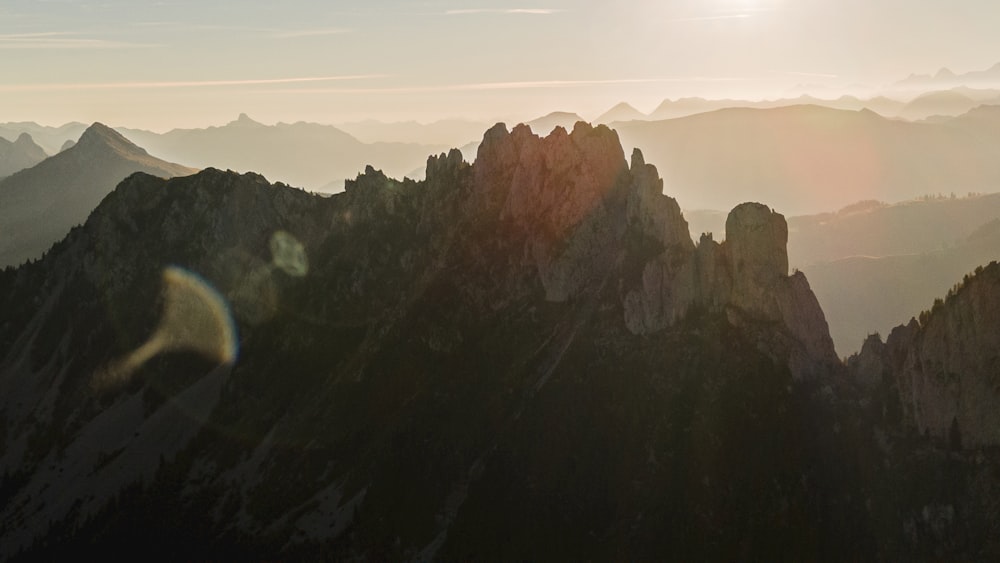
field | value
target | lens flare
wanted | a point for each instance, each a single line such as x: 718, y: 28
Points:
x: 288, y: 254
x: 195, y: 319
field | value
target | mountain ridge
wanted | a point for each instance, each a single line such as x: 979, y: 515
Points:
x: 38, y: 205
x: 305, y: 154
x: 473, y: 308
x: 22, y: 153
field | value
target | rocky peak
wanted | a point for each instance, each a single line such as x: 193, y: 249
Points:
x: 100, y: 137
x: 444, y: 165
x: 756, y: 240
x: 24, y: 139
x: 551, y: 182
x: 20, y: 154
x: 746, y: 276
x: 244, y: 120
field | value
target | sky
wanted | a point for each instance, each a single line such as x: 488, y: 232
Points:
x: 185, y: 63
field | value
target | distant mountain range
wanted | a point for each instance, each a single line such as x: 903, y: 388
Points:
x: 306, y: 155
x: 51, y: 139
x: 621, y: 112
x: 946, y: 78
x: 39, y: 205
x: 447, y: 132
x: 546, y: 123
x: 871, y: 294
x: 812, y: 158
x: 20, y: 154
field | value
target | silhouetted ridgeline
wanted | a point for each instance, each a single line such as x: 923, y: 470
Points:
x: 527, y: 357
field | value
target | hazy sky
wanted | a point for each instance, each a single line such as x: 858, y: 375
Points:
x: 165, y: 63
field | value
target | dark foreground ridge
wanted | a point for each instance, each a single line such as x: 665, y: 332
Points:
x: 524, y: 358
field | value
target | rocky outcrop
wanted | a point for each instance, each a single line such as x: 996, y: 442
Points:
x: 583, y: 211
x: 946, y: 366
x: 746, y: 275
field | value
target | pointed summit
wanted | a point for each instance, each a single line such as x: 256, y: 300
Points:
x: 944, y: 74
x: 621, y: 112
x: 38, y: 205
x: 244, y: 120
x: 24, y: 139
x: 22, y: 153
x: 100, y: 137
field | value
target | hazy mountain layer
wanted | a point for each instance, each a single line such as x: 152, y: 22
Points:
x: 683, y: 107
x: 808, y: 158
x: 946, y: 78
x: 39, y: 205
x: 447, y: 132
x: 18, y: 155
x: 51, y: 139
x: 621, y: 112
x: 307, y: 155
x: 866, y: 294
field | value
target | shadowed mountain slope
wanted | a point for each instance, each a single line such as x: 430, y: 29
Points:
x: 40, y: 204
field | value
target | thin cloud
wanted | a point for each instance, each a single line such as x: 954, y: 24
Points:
x: 60, y: 40
x: 528, y: 11
x: 808, y: 74
x: 178, y: 84
x: 711, y: 18
x: 295, y: 34
x: 486, y: 86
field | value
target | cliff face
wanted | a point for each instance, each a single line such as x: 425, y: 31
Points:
x: 404, y: 369
x: 946, y: 368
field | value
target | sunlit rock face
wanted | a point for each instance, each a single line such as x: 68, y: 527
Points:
x: 585, y: 213
x: 564, y: 192
x: 746, y: 275
x: 945, y: 369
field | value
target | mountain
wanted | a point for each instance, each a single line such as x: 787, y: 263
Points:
x: 947, y: 102
x: 545, y: 124
x: 448, y: 132
x: 49, y: 138
x: 872, y: 294
x: 303, y: 154
x: 621, y: 112
x: 22, y: 153
x: 873, y: 228
x: 522, y: 358
x: 811, y: 158
x: 38, y: 205
x: 527, y: 356
x: 943, y: 367
x: 683, y: 107
x: 873, y: 265
x: 945, y: 78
